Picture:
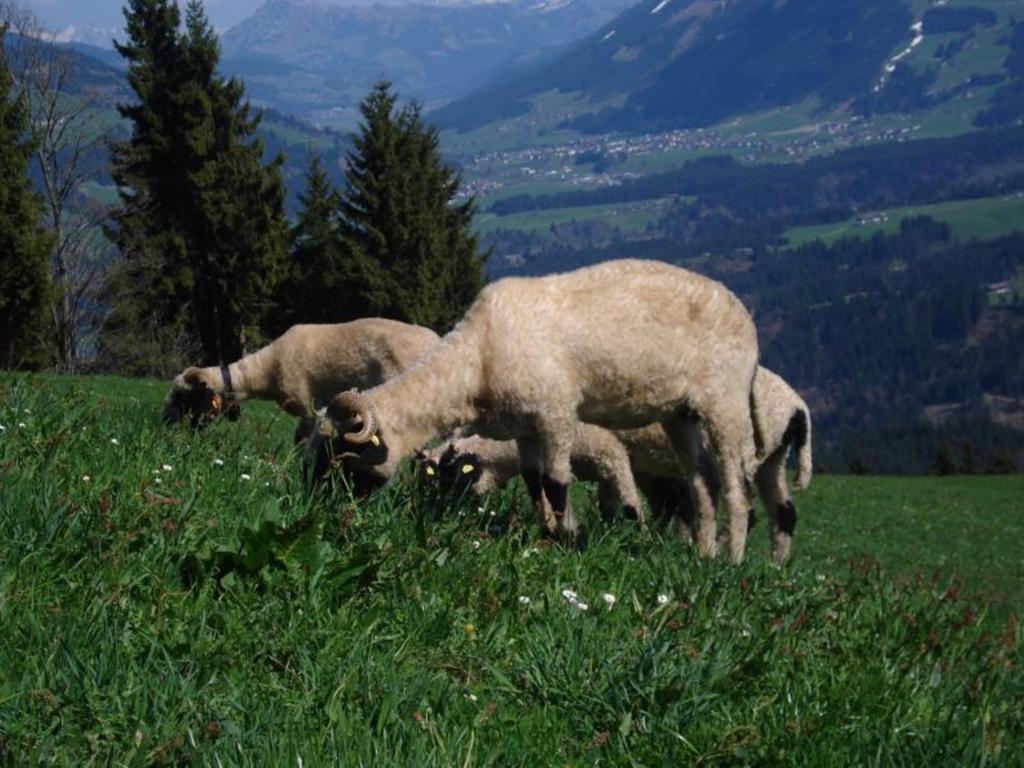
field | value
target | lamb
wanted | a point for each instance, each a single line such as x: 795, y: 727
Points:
x: 486, y: 465
x: 613, y: 458
x: 301, y: 369
x: 619, y: 344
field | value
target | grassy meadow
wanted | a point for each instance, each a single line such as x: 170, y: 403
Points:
x: 171, y: 598
x: 979, y: 217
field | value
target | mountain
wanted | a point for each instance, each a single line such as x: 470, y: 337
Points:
x: 317, y: 60
x: 97, y: 22
x: 668, y: 64
x: 98, y: 76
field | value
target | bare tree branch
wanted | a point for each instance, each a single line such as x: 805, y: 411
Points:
x: 68, y: 140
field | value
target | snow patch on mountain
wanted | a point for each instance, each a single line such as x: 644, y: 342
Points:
x: 890, y: 66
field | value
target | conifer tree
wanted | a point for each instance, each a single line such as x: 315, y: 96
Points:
x: 319, y: 262
x: 24, y: 271
x: 414, y: 257
x: 201, y: 221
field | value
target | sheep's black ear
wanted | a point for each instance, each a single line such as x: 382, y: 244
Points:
x: 192, y: 376
x: 449, y: 455
x: 469, y: 468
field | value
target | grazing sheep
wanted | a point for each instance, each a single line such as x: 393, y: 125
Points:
x: 612, y: 459
x: 619, y: 344
x: 486, y: 465
x: 301, y: 369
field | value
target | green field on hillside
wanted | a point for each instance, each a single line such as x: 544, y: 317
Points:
x: 170, y: 598
x: 981, y: 217
x: 628, y: 217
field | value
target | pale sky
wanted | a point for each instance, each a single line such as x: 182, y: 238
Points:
x: 106, y: 14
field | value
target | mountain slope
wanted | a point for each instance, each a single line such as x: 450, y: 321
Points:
x: 317, y: 60
x: 667, y: 64
x: 103, y: 85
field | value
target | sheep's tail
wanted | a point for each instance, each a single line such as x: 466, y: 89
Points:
x: 798, y: 435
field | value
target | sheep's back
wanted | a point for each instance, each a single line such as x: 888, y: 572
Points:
x: 621, y: 332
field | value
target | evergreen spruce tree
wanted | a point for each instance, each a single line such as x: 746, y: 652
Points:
x: 414, y: 256
x: 319, y: 263
x: 149, y: 292
x: 201, y: 220
x: 24, y: 248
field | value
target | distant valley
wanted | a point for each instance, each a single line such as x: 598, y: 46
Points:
x: 316, y: 60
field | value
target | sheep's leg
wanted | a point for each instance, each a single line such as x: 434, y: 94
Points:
x: 684, y: 434
x: 530, y: 463
x: 669, y: 499
x: 774, y: 492
x: 616, y: 486
x: 731, y: 440
x: 555, y: 439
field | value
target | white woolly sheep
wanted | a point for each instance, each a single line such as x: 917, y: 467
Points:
x: 612, y: 459
x: 485, y: 465
x: 302, y: 369
x: 619, y: 344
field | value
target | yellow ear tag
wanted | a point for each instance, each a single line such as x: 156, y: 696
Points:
x: 467, y: 468
x: 375, y: 440
x: 430, y: 471
x: 215, y: 402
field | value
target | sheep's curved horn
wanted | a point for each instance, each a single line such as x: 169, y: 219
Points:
x: 348, y: 404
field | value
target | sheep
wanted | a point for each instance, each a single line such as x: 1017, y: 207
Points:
x: 485, y: 465
x: 300, y: 369
x: 614, y: 458
x: 619, y: 344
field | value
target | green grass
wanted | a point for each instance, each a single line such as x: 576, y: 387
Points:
x: 629, y: 217
x: 186, y: 614
x: 981, y: 217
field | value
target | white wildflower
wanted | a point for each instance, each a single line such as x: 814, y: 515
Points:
x: 156, y: 471
x: 246, y: 476
x: 476, y: 544
x: 569, y: 595
x: 86, y: 478
x: 524, y: 600
x: 157, y: 480
x: 28, y: 411
x: 167, y: 468
x: 218, y: 462
x: 581, y: 606
x: 266, y: 484
x: 744, y: 633
x: 114, y: 441
x: 820, y: 577
x: 3, y: 428
x: 480, y: 510
x: 609, y: 598
x: 471, y: 696
x: 22, y: 425
x: 662, y: 599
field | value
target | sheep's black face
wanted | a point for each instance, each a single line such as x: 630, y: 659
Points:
x: 426, y: 468
x: 325, y: 451
x: 200, y: 404
x: 458, y: 471
x: 321, y: 460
